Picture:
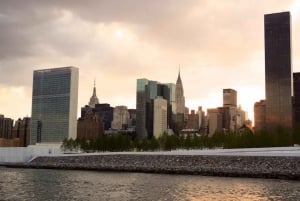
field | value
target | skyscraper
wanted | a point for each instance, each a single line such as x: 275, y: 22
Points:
x: 179, y: 96
x: 6, y: 126
x: 141, y: 107
x: 54, y: 105
x: 260, y: 115
x: 214, y: 121
x: 160, y: 116
x: 278, y: 70
x: 147, y: 91
x: 296, y: 106
x: 121, y: 118
x: 94, y: 99
x: 229, y: 98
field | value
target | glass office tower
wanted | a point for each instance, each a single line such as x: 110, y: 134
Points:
x: 147, y: 92
x: 54, y: 105
x: 278, y: 70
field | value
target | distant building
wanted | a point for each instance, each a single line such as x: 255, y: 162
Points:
x: 90, y: 126
x: 201, y: 118
x: 278, y: 70
x: 141, y: 100
x: 193, y: 121
x: 296, y: 106
x: 54, y: 105
x: 107, y: 114
x: 132, y: 119
x: 160, y: 116
x: 147, y: 91
x: 260, y: 115
x: 172, y: 88
x: 241, y: 117
x: 6, y: 133
x: 94, y: 99
x: 179, y: 96
x: 21, y: 131
x: 226, y: 118
x: 6, y: 126
x: 229, y: 98
x: 121, y: 118
x: 232, y: 118
x: 186, y: 113
x: 214, y: 121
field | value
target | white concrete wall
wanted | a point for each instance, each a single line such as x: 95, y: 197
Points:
x: 25, y: 154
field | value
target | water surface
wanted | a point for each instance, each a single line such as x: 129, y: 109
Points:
x: 41, y: 184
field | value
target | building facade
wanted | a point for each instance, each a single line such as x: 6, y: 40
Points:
x: 260, y: 115
x: 229, y: 98
x: 179, y: 96
x: 141, y: 108
x: 90, y: 126
x: 278, y: 70
x: 54, y: 105
x: 21, y: 131
x: 172, y: 88
x: 147, y: 91
x: 214, y: 121
x: 6, y: 127
x: 107, y: 113
x: 201, y: 117
x: 193, y: 121
x: 94, y: 99
x: 121, y: 118
x: 160, y: 117
x: 296, y: 100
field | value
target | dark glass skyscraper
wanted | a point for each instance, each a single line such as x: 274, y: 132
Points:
x: 54, y: 105
x: 296, y: 108
x: 278, y: 70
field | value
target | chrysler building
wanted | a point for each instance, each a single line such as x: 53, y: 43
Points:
x: 94, y: 100
x: 180, y: 101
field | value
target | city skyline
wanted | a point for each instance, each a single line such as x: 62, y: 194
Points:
x: 216, y: 45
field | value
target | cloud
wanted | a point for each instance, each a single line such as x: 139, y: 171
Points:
x: 217, y: 43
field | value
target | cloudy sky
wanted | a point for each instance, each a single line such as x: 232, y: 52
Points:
x: 218, y: 44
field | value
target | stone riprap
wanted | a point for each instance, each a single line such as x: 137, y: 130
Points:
x: 283, y: 167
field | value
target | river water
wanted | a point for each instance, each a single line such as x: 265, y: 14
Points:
x: 41, y: 184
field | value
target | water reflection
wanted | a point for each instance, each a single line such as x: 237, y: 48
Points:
x: 30, y: 184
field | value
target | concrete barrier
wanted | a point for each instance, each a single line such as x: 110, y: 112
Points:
x: 25, y: 154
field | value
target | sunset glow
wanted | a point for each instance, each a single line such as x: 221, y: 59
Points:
x: 218, y: 44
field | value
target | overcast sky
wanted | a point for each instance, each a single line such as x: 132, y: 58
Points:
x: 218, y: 44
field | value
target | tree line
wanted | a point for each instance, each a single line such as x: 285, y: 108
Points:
x: 245, y: 139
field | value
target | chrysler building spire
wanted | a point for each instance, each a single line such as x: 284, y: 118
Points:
x: 94, y: 100
x: 180, y: 100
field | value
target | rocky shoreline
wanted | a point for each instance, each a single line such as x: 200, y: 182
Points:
x: 277, y: 167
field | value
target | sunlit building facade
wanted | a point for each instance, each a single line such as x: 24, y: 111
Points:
x: 160, y: 116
